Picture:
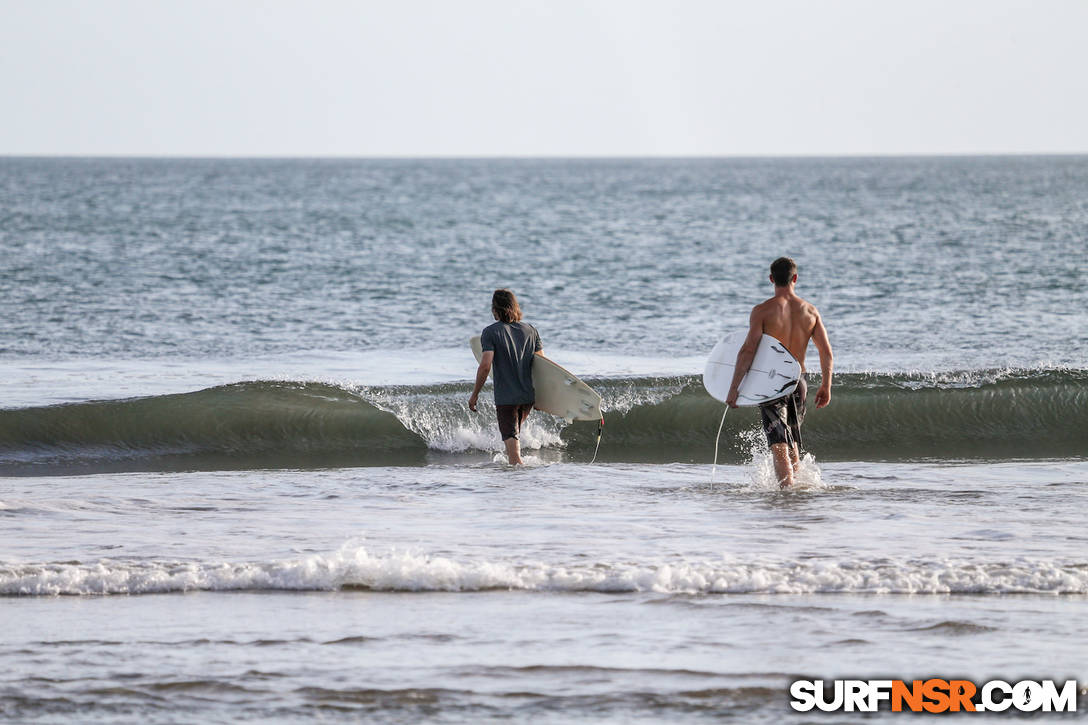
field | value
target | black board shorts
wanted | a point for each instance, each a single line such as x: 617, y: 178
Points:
x: 782, y: 418
x: 511, y: 417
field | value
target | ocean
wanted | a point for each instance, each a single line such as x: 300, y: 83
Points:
x: 239, y: 480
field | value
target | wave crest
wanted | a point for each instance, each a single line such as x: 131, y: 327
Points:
x: 988, y: 414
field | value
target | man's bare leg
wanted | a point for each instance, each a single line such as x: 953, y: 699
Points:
x: 513, y: 451
x: 783, y: 465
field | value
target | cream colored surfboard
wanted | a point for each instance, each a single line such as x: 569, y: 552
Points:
x: 558, y: 391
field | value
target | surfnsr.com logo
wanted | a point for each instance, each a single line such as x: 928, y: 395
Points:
x: 933, y: 695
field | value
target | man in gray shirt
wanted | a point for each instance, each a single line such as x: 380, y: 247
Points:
x: 509, y: 346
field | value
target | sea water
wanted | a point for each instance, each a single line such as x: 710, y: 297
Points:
x: 240, y: 480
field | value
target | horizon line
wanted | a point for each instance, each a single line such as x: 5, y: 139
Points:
x: 541, y: 157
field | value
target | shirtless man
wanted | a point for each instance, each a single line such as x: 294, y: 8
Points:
x: 794, y: 322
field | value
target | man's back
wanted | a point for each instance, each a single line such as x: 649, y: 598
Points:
x: 514, y: 344
x: 791, y: 320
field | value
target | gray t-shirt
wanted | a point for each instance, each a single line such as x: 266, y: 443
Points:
x: 514, y: 344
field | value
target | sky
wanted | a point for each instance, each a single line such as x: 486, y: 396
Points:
x: 547, y: 78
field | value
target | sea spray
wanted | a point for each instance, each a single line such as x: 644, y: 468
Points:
x: 760, y: 466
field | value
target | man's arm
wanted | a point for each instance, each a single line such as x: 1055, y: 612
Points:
x: 827, y: 361
x: 745, y: 355
x: 481, y: 377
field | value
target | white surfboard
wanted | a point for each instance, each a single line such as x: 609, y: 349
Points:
x: 774, y: 373
x: 558, y: 391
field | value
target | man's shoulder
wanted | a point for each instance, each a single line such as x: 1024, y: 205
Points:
x: 765, y: 306
x: 808, y: 306
x: 490, y: 336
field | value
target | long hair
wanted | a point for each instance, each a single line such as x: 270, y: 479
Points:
x: 504, y: 305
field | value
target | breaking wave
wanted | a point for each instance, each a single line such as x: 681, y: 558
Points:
x: 970, y: 415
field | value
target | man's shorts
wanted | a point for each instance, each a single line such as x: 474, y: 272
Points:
x: 511, y: 417
x: 782, y: 419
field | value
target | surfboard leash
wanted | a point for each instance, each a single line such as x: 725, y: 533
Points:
x: 716, y: 438
x: 600, y: 429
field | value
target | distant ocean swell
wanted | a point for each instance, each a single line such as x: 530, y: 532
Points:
x: 357, y: 568
x: 988, y: 415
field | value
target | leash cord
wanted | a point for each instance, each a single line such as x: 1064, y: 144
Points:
x: 716, y: 438
x: 600, y: 429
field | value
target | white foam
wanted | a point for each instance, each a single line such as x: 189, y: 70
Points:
x: 445, y: 423
x: 399, y: 571
x: 623, y: 399
x: 761, y: 471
